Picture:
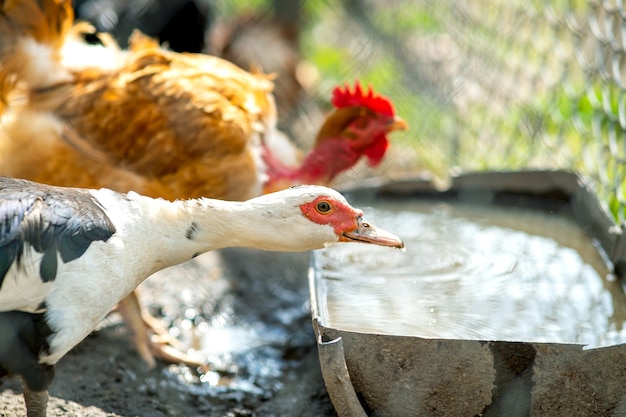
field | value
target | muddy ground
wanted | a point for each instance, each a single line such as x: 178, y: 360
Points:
x: 269, y: 366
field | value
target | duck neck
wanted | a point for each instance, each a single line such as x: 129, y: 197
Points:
x: 178, y: 231
x: 181, y: 230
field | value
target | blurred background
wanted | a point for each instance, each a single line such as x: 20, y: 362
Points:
x: 484, y: 85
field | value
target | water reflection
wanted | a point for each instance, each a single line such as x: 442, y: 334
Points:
x: 475, y: 273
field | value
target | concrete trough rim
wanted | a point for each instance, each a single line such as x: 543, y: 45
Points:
x: 344, y: 384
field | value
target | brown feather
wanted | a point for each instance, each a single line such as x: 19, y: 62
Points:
x: 135, y: 118
x: 46, y: 22
x: 178, y: 124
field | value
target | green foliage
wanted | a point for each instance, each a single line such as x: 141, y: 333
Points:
x: 228, y: 9
x: 591, y: 135
x: 402, y: 20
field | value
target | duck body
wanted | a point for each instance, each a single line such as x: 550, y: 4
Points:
x: 70, y: 255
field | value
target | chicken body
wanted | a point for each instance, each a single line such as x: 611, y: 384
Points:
x: 161, y: 123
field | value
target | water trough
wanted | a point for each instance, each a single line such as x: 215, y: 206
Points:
x: 514, y: 314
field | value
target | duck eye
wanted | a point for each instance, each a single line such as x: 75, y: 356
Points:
x: 323, y: 207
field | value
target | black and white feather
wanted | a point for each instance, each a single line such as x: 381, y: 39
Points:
x: 49, y: 223
x: 39, y: 227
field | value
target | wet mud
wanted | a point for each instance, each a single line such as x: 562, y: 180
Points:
x: 253, y: 304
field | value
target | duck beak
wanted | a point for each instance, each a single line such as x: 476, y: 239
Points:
x: 397, y: 123
x: 367, y: 233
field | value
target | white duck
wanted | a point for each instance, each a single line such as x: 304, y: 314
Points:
x: 68, y: 255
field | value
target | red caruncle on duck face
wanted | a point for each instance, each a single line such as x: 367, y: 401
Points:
x: 327, y: 210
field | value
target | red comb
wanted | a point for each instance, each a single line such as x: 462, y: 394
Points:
x: 370, y: 99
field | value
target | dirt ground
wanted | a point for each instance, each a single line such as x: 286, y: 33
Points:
x: 274, y: 372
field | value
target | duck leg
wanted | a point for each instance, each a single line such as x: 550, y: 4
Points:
x: 151, y: 339
x: 36, y: 402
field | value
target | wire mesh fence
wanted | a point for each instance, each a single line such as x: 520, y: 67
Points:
x: 550, y: 85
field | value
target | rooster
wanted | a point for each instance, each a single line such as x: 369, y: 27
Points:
x: 79, y: 111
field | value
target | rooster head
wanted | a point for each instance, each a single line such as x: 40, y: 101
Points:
x: 370, y: 124
x: 357, y: 126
